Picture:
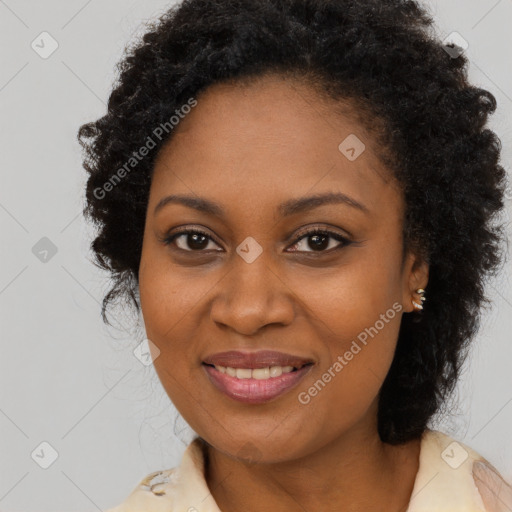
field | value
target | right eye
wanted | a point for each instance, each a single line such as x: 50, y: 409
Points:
x: 193, y: 240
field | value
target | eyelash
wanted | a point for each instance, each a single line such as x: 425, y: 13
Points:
x: 304, y: 234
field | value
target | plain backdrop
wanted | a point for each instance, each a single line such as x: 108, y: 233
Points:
x: 67, y: 380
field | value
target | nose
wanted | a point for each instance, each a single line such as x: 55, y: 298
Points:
x: 252, y: 296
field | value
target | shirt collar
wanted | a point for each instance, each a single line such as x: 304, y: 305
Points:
x: 444, y: 482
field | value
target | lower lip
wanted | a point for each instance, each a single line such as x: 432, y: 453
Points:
x: 255, y: 391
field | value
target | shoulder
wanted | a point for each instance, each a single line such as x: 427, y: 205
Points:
x: 146, y: 493
x: 182, y: 488
x: 452, y: 477
x: 496, y: 493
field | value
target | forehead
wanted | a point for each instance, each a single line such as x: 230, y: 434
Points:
x: 271, y: 139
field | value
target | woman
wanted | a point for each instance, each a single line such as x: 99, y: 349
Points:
x: 299, y: 196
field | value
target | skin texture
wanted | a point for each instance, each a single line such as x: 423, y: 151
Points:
x: 250, y: 148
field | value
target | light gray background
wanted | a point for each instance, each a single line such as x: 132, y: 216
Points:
x: 68, y: 380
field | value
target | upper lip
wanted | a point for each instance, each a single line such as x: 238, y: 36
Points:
x: 260, y: 359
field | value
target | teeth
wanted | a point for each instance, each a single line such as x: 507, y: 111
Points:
x: 275, y: 371
x: 243, y: 373
x: 260, y: 373
x: 256, y: 373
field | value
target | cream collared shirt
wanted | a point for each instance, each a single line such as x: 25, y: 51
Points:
x: 451, y: 478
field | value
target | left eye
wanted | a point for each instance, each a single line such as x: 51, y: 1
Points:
x: 319, y: 240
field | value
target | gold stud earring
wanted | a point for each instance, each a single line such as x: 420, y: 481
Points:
x: 417, y: 306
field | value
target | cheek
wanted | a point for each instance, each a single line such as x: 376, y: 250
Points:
x: 357, y: 312
x: 343, y: 301
x: 169, y: 294
x: 167, y: 304
x: 174, y: 307
x: 348, y: 380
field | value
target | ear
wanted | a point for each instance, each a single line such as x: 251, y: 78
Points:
x: 415, y: 276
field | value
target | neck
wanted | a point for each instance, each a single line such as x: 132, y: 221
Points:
x: 355, y: 472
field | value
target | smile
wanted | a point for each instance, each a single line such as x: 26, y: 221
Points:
x: 256, y: 373
x: 255, y: 385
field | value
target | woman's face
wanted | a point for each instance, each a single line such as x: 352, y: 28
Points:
x: 330, y: 303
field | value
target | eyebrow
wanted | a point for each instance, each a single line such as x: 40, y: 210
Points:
x: 290, y: 207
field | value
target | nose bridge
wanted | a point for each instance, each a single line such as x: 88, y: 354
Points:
x: 252, y: 276
x: 252, y: 285
x: 251, y: 295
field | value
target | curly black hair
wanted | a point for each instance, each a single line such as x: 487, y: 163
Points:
x: 383, y: 56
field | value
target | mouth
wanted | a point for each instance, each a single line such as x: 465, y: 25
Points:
x: 255, y: 360
x: 265, y: 373
x: 256, y: 377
